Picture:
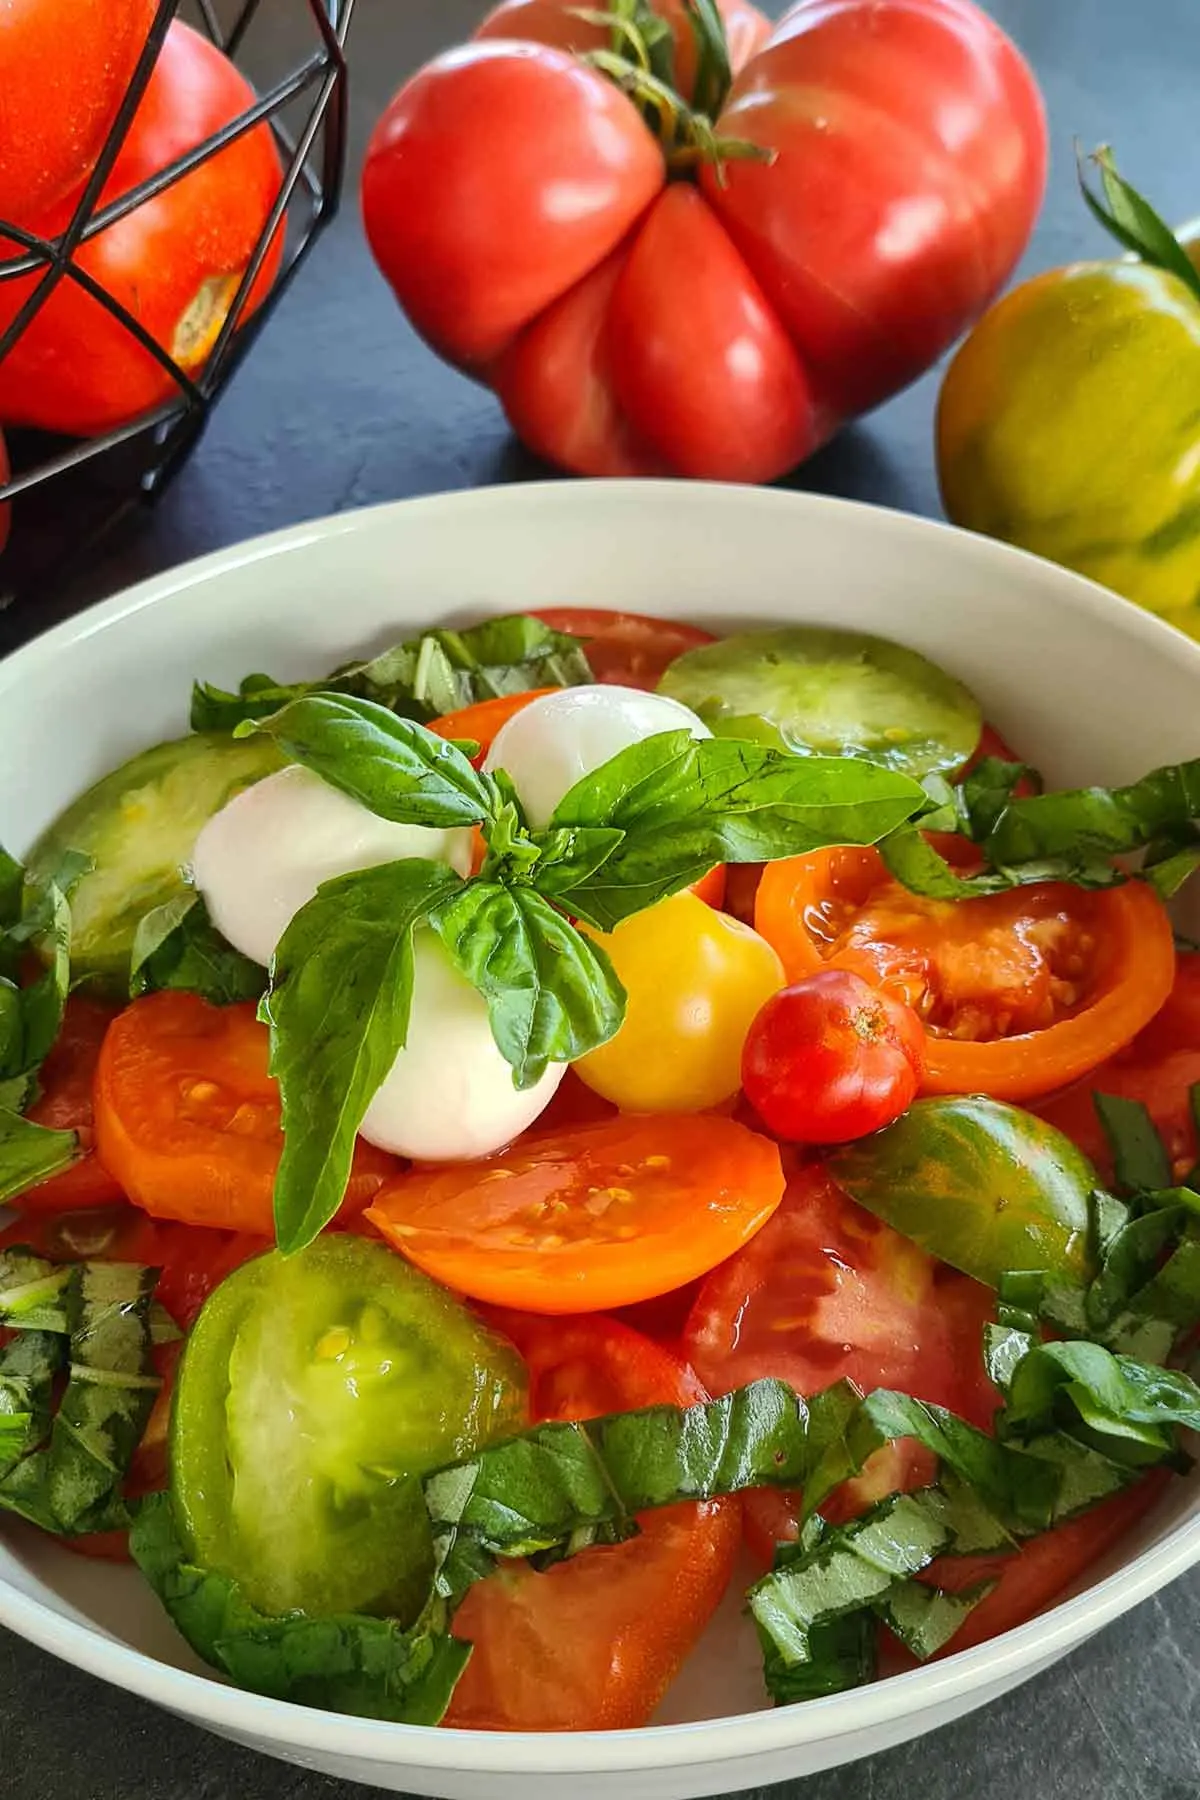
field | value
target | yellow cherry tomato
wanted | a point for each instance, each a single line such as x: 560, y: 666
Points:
x: 695, y: 979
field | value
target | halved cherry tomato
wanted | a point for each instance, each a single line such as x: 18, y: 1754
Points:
x: 831, y: 1059
x: 482, y: 721
x: 1019, y: 992
x: 65, y: 1104
x: 1036, y: 1574
x: 188, y: 1119
x: 625, y: 649
x: 600, y: 1216
x: 826, y: 1291
x: 592, y: 1644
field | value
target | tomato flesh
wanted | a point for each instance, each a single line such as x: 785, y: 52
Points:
x: 599, y: 1216
x: 65, y: 1104
x: 188, y: 1117
x: 626, y: 649
x: 592, y: 1644
x: 1019, y: 992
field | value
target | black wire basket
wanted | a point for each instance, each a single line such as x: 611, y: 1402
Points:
x: 70, y: 493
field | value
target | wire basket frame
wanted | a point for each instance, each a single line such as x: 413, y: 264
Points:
x: 74, y: 492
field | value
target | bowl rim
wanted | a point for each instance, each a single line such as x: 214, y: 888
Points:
x: 729, y: 1738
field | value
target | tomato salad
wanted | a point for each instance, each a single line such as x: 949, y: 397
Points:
x: 494, y: 1129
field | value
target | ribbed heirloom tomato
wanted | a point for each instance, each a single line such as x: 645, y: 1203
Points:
x: 175, y: 262
x: 645, y: 303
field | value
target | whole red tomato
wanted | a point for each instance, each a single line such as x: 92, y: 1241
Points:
x: 175, y: 261
x: 644, y: 306
x: 65, y: 72
x: 832, y: 1059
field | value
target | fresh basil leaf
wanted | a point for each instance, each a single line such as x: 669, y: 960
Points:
x: 178, y: 946
x: 1140, y: 1160
x: 568, y: 857
x: 392, y: 766
x: 842, y: 1654
x: 1168, y: 865
x: 1126, y: 216
x: 912, y: 859
x: 551, y: 993
x: 926, y: 1618
x: 31, y: 1153
x: 12, y: 878
x: 686, y: 804
x: 31, y: 1292
x: 1078, y: 824
x: 351, y: 1663
x: 422, y: 679
x: 988, y: 790
x: 1065, y: 1382
x: 338, y: 1006
x: 29, y: 1367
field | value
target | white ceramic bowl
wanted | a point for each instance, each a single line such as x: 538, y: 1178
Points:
x: 1085, y: 685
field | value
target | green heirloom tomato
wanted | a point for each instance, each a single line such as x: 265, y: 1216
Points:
x: 313, y: 1392
x: 1069, y: 423
x: 978, y: 1184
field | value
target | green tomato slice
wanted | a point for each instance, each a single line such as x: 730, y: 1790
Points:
x: 817, y: 691
x: 980, y: 1185
x: 313, y: 1392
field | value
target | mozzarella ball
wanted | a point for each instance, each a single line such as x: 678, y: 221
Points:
x: 450, y: 1093
x: 265, y: 854
x: 554, y: 742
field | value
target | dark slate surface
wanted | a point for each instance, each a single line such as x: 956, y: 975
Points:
x: 340, y: 406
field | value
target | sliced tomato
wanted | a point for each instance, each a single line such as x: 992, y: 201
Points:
x: 1176, y: 1026
x: 625, y: 649
x: 1020, y: 992
x: 65, y: 1104
x: 826, y: 1291
x: 992, y: 744
x: 600, y: 1216
x: 1038, y: 1573
x: 482, y: 721
x: 593, y: 1643
x: 188, y: 1119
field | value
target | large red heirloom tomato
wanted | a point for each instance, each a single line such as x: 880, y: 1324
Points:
x: 650, y: 291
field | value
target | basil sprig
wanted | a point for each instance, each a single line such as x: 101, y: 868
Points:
x: 420, y: 679
x: 1073, y: 835
x: 31, y: 1014
x: 178, y: 946
x: 651, y: 821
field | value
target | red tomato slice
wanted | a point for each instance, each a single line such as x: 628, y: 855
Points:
x: 65, y: 1104
x: 625, y: 649
x: 825, y: 1291
x: 592, y: 1644
x: 188, y: 1119
x: 601, y: 1216
x: 1020, y: 992
x: 1039, y: 1572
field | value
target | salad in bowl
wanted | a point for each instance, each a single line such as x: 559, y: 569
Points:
x: 514, y: 1138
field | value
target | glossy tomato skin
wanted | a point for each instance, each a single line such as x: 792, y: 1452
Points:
x: 64, y: 79
x: 592, y: 1644
x: 464, y: 202
x: 175, y: 262
x: 831, y: 1059
x: 694, y: 981
x: 586, y: 1218
x: 823, y: 1292
x: 1020, y: 992
x: 67, y: 1079
x: 558, y: 22
x: 910, y: 162
x: 188, y: 1117
x: 723, y: 329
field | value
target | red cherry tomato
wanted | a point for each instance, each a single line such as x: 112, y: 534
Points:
x: 832, y: 1059
x: 65, y: 1104
x: 175, y: 262
x: 904, y: 160
x: 592, y: 1644
x: 65, y: 74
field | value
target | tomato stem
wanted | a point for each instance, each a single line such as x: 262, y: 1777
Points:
x: 688, y: 137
